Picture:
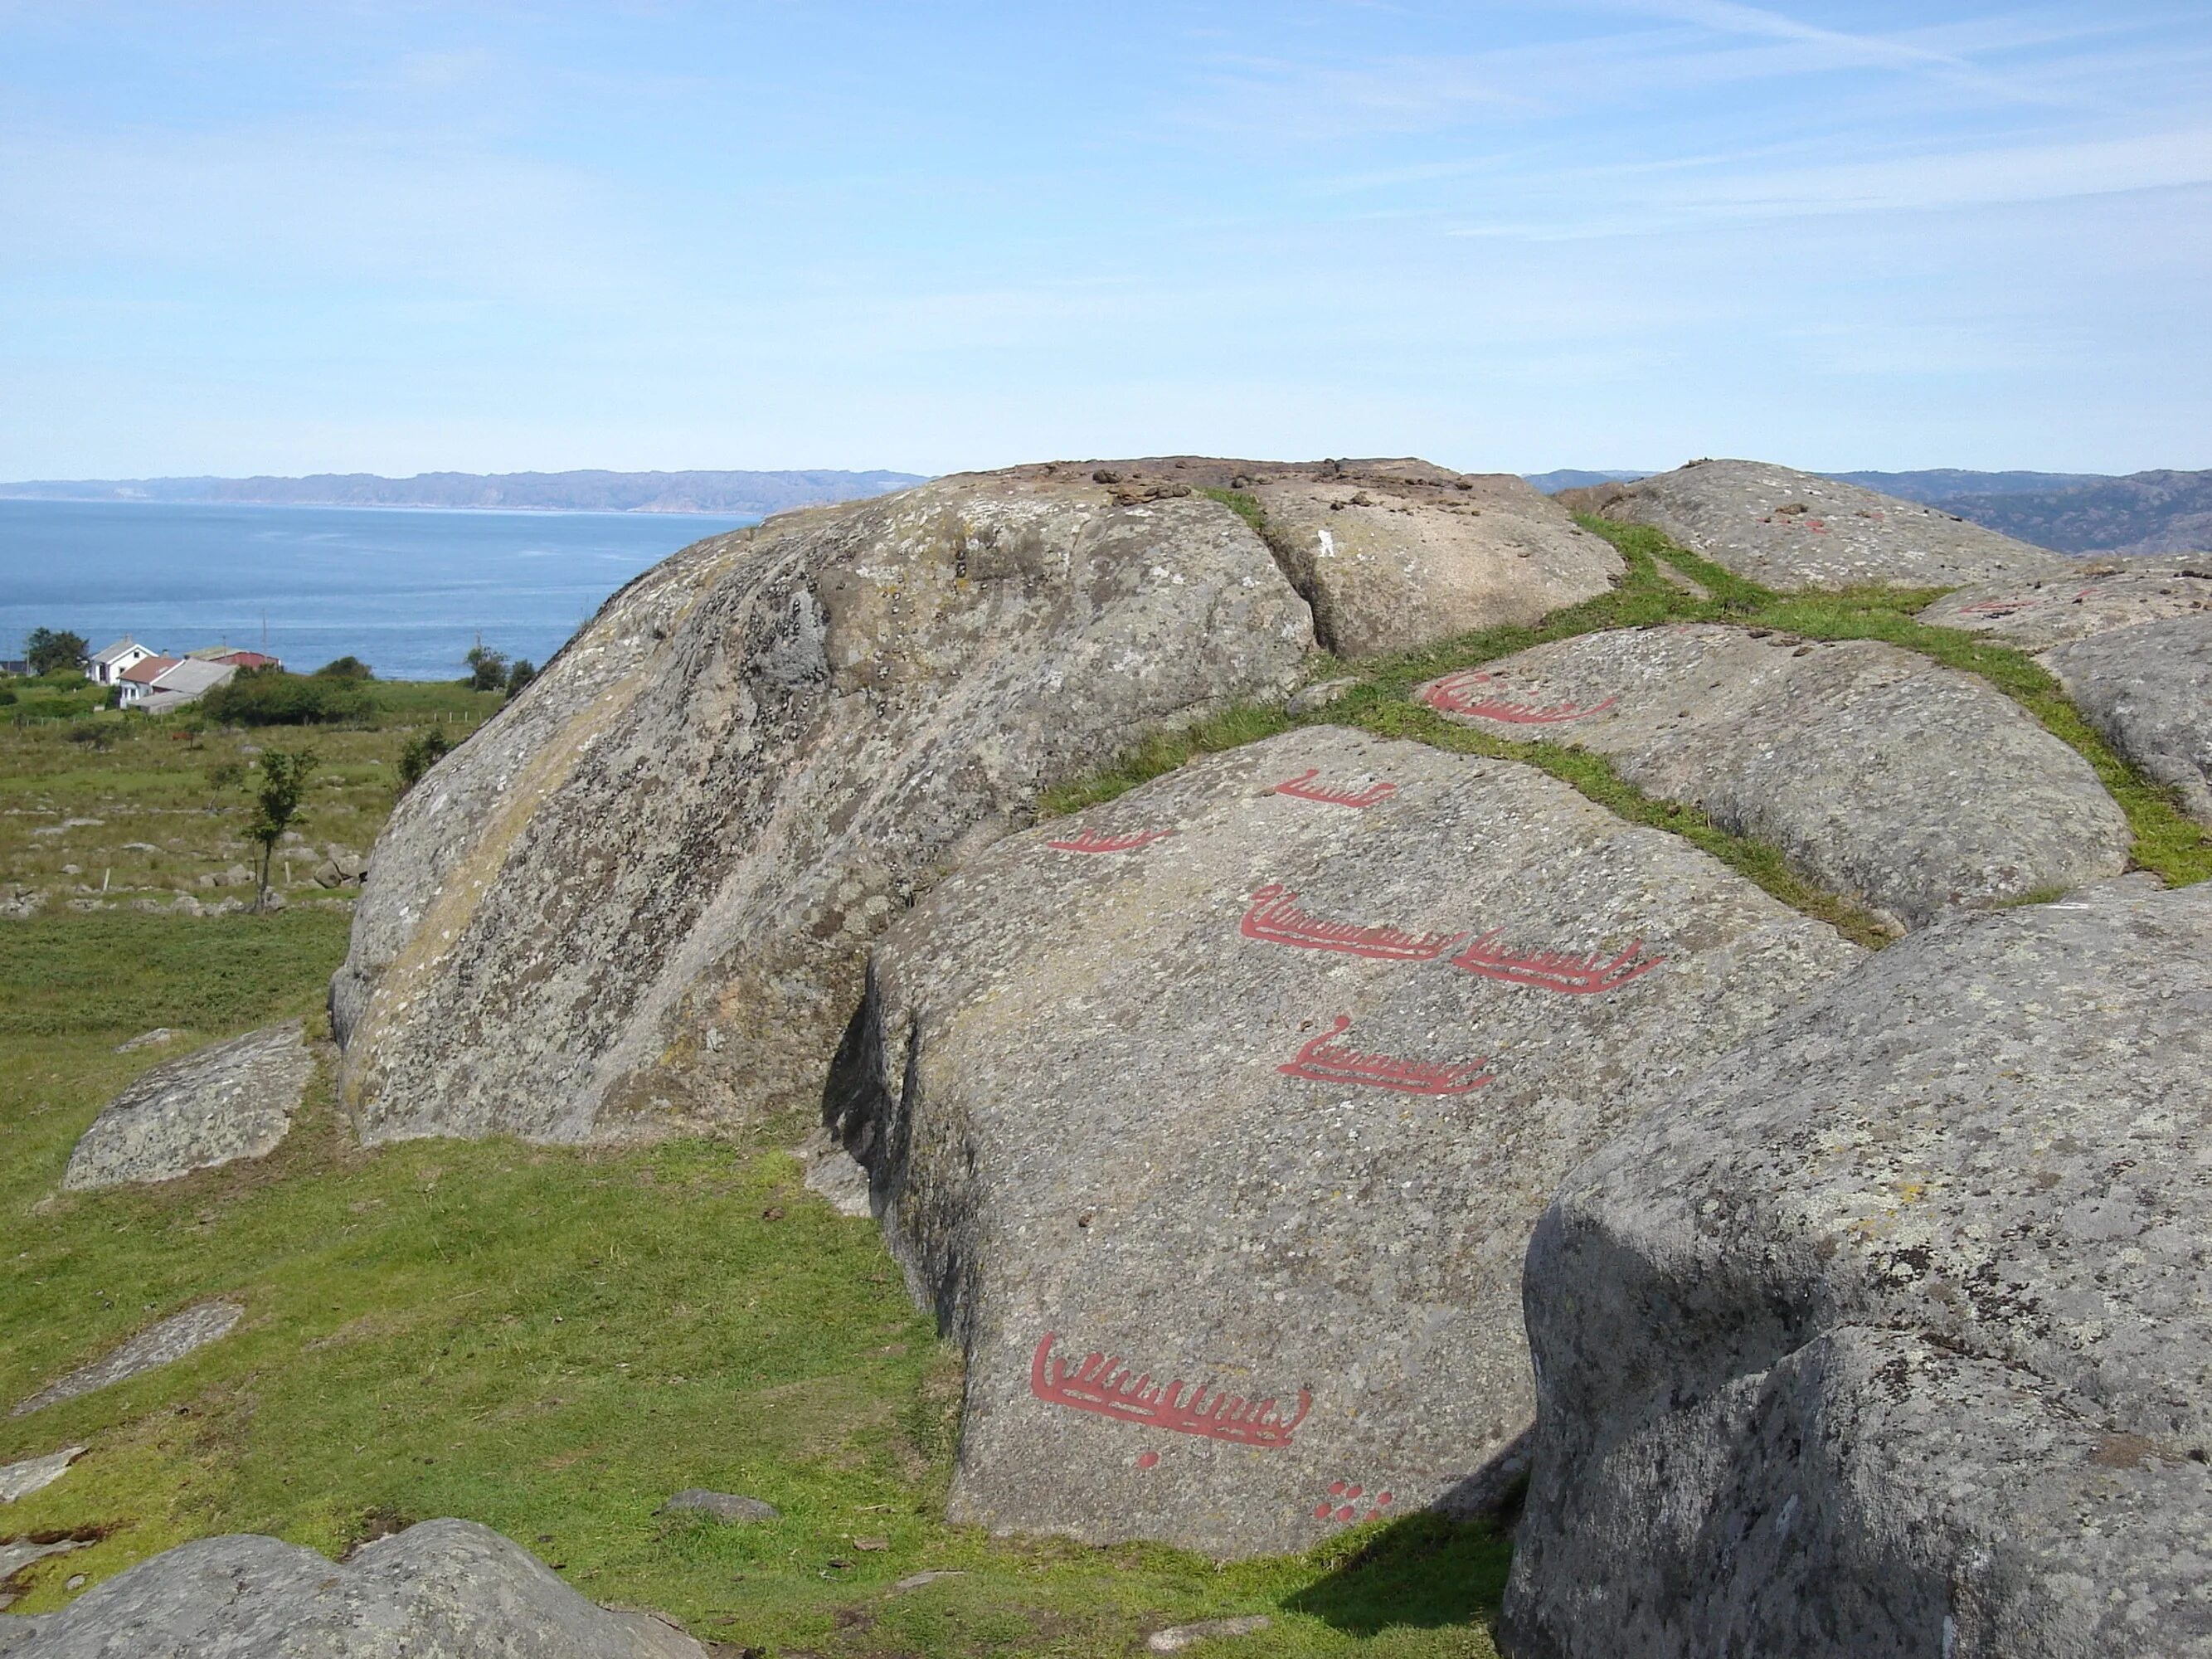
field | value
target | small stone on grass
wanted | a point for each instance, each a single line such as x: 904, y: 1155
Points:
x: 1175, y: 1637
x: 722, y: 1505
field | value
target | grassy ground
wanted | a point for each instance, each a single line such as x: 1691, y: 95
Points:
x: 2165, y: 842
x: 549, y: 1341
x: 114, y: 807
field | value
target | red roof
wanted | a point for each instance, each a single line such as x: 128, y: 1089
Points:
x: 249, y: 659
x: 147, y: 671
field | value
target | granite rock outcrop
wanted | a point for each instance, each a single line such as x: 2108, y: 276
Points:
x: 1213, y: 1121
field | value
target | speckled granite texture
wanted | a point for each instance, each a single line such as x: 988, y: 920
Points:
x: 1261, y: 1089
x: 1889, y: 1335
x: 1880, y: 773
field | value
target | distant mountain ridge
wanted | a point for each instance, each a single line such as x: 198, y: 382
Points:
x: 2162, y: 511
x: 749, y: 493
x: 2145, y: 513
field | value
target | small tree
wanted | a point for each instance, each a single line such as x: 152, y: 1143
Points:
x: 280, y: 779
x: 344, y: 668
x: 419, y: 754
x: 51, y: 653
x: 520, y: 675
x: 487, y: 668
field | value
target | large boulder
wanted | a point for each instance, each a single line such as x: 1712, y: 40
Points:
x: 1889, y: 1334
x: 2148, y: 690
x: 2103, y: 594
x: 1213, y: 1121
x: 1789, y: 530
x: 1392, y: 554
x: 1390, y: 564
x: 1880, y: 773
x: 232, y: 1100
x: 642, y: 895
x: 442, y: 1590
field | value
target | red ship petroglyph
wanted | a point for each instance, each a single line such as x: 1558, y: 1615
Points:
x: 1555, y: 971
x: 1455, y: 694
x: 1101, y: 1384
x: 1091, y: 842
x: 1305, y: 788
x: 1323, y: 1061
x: 1275, y: 918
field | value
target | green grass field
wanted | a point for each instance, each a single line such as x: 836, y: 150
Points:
x: 549, y: 1341
x: 114, y: 807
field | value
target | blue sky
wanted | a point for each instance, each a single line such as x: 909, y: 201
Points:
x: 260, y: 238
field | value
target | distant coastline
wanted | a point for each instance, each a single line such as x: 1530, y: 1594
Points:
x: 747, y: 494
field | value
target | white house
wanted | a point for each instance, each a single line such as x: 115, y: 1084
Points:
x: 109, y: 666
x: 137, y: 680
x: 186, y: 681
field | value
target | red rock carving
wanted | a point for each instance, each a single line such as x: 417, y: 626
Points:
x: 1455, y: 694
x: 1102, y: 1384
x: 1323, y: 1061
x: 1091, y: 842
x: 1304, y: 788
x: 2010, y: 604
x: 1275, y: 918
x: 1555, y: 971
x: 1341, y: 1503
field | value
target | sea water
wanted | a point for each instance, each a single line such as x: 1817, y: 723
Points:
x: 408, y: 591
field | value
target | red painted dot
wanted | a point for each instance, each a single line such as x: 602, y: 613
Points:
x: 1321, y: 1511
x: 1336, y: 1488
x: 1382, y: 1498
x: 1147, y: 1459
x: 1353, y: 1492
x: 1344, y: 1513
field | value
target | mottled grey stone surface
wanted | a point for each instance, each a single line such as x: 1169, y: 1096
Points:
x: 444, y: 1589
x: 159, y: 1344
x: 1879, y: 773
x: 1069, y: 1083
x: 1890, y: 1335
x: 722, y: 1505
x: 1180, y: 1638
x: 2148, y: 690
x: 2102, y: 595
x: 229, y: 1101
x: 20, y: 1480
x: 1312, y: 699
x: 1390, y: 564
x: 1791, y: 530
x: 641, y: 897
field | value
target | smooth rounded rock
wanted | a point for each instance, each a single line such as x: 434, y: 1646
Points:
x: 1881, y: 775
x: 639, y: 897
x: 1791, y: 530
x: 1889, y: 1334
x: 1213, y: 1121
x: 442, y: 1590
x: 230, y: 1101
x: 1393, y: 563
x: 2102, y: 595
x: 2148, y: 690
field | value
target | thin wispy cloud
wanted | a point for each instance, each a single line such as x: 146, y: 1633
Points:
x: 758, y: 233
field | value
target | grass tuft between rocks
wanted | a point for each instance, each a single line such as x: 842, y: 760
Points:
x: 2166, y: 842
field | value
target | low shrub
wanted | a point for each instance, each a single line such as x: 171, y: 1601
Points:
x: 270, y: 696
